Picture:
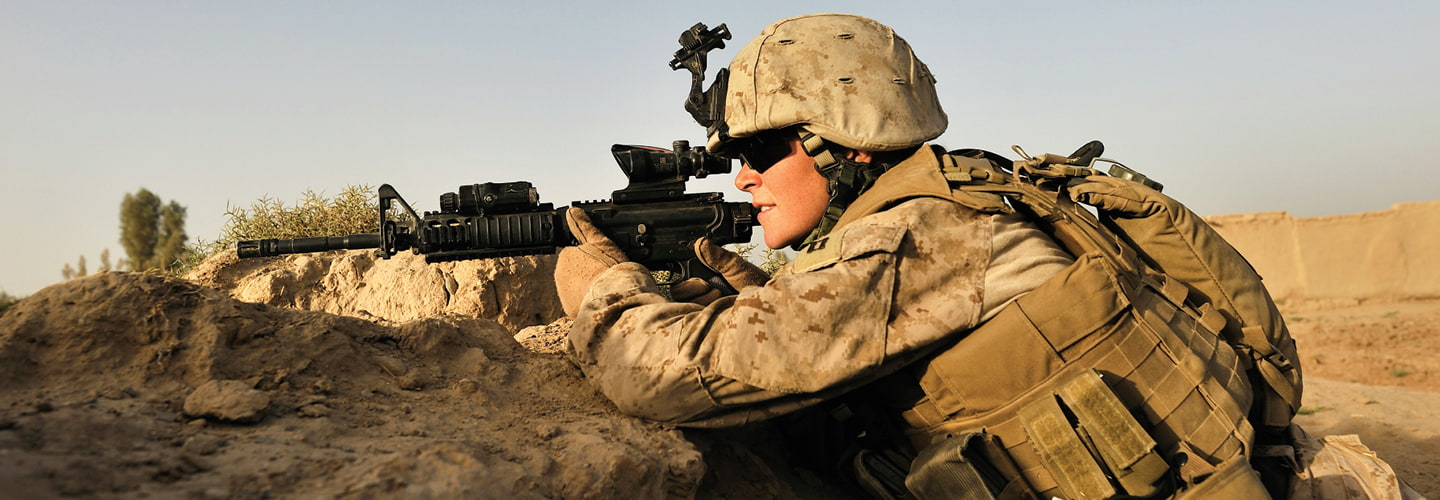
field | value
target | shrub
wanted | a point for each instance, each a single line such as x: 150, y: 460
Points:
x: 352, y: 211
x: 770, y: 260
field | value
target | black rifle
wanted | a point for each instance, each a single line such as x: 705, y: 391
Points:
x: 653, y: 219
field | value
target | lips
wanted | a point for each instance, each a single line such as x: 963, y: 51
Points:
x: 761, y: 210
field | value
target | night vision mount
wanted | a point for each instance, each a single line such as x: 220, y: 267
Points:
x: 708, y: 106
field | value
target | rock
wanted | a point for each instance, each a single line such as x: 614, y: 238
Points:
x: 227, y: 400
x: 551, y: 338
x: 514, y: 291
x: 202, y: 445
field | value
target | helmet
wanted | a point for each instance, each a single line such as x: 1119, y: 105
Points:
x: 847, y: 79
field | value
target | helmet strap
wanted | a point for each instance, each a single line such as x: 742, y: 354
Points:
x: 847, y: 178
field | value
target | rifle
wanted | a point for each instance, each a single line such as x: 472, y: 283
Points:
x: 652, y: 219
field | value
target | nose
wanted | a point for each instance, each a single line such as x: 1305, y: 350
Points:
x: 747, y: 179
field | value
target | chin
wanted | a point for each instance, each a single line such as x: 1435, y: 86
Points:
x: 778, y: 238
x: 777, y: 243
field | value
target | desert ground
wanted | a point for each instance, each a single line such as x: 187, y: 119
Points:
x: 343, y: 376
x: 1371, y: 369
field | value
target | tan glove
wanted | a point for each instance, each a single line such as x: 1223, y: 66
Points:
x: 737, y: 271
x: 578, y: 266
x: 1119, y: 196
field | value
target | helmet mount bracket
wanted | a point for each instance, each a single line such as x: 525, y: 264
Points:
x: 707, y: 106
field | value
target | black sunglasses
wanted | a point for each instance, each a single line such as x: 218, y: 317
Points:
x: 764, y: 150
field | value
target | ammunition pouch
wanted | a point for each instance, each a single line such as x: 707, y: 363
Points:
x: 966, y: 467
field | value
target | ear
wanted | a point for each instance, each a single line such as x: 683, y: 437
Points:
x: 861, y: 156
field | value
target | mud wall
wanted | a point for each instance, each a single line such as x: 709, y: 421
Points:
x: 1392, y: 253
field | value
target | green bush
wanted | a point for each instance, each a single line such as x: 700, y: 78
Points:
x: 770, y: 260
x: 352, y: 211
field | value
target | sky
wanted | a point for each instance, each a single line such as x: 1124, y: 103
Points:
x: 1314, y: 107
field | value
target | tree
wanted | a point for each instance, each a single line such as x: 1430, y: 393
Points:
x: 105, y: 260
x: 139, y: 227
x: 171, y: 244
x: 79, y: 271
x: 153, y: 234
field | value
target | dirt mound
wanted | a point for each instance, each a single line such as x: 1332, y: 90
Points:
x: 101, y: 378
x: 123, y: 385
x: 391, y: 291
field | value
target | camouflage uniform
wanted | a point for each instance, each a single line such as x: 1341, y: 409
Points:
x: 905, y: 279
x: 1033, y: 373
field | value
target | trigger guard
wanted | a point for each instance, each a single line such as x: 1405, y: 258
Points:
x: 688, y: 269
x: 676, y: 272
x: 720, y: 284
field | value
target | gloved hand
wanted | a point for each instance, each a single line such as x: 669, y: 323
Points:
x: 1120, y: 196
x: 578, y: 266
x: 737, y: 271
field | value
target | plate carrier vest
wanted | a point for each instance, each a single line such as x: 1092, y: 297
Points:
x: 1143, y: 369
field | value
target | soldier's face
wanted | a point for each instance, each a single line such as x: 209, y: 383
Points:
x: 790, y: 196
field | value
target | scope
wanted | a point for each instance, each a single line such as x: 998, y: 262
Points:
x: 643, y: 164
x: 490, y: 197
x: 657, y: 174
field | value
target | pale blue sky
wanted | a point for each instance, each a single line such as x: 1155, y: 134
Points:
x: 1315, y: 107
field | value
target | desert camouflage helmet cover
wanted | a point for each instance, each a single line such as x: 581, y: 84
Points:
x: 846, y: 78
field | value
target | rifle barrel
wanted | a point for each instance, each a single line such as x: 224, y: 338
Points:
x: 273, y: 247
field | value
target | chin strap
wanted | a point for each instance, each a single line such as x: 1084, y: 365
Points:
x: 847, y: 178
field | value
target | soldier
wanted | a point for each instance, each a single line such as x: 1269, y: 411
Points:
x: 988, y: 337
x: 901, y: 274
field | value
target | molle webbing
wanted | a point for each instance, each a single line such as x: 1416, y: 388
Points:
x: 1170, y: 238
x: 1170, y: 367
x: 1177, y: 243
x: 1173, y: 240
x: 1109, y: 313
